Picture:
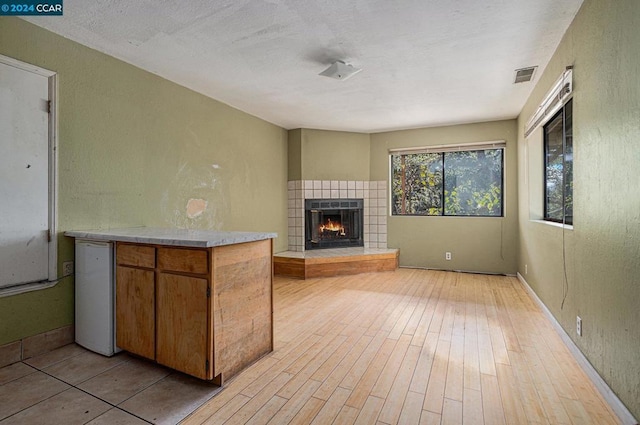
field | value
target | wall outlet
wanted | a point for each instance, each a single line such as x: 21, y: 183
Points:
x: 67, y: 268
x: 447, y: 256
x: 526, y: 269
x: 579, y: 325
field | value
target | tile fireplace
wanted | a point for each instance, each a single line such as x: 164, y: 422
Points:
x: 372, y: 195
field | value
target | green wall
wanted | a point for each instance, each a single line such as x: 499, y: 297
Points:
x: 328, y: 155
x: 602, y: 250
x: 133, y: 150
x: 295, y: 155
x: 476, y: 244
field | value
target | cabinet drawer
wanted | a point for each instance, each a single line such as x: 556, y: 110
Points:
x: 183, y: 260
x: 136, y: 255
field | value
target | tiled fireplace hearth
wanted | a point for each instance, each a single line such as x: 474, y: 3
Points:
x: 373, y: 194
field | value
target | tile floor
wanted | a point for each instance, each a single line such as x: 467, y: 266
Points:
x: 71, y: 385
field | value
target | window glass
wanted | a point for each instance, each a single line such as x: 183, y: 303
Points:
x: 558, y: 185
x: 417, y: 184
x: 473, y: 182
x: 459, y: 183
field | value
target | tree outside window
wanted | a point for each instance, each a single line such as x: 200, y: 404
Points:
x: 452, y: 183
x: 558, y: 149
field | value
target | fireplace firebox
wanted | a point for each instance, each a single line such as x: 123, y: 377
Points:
x: 333, y: 223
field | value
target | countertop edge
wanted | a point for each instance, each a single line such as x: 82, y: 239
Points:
x: 171, y: 237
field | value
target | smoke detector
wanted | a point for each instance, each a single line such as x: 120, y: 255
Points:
x: 524, y: 75
x: 340, y: 71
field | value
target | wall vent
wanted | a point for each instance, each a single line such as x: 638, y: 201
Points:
x: 524, y: 75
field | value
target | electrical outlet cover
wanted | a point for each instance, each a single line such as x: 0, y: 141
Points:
x: 579, y: 325
x: 67, y: 268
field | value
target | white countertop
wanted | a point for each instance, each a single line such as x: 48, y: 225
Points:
x: 175, y: 237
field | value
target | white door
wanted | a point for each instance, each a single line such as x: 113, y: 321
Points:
x: 24, y: 176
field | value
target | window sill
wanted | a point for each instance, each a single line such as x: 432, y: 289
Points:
x: 554, y: 224
x: 27, y: 287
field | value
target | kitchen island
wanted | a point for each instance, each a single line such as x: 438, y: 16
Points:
x: 194, y: 300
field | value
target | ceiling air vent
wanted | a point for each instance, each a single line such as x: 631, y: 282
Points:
x: 524, y: 75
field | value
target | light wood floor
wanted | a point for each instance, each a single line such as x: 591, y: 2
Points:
x: 411, y: 347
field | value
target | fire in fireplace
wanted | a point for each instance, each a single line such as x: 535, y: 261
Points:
x: 332, y: 223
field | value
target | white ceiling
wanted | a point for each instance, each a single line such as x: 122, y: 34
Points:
x: 425, y: 62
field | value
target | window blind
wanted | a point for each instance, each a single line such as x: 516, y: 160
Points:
x: 559, y: 94
x: 497, y: 144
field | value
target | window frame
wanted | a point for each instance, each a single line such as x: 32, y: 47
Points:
x: 442, y: 150
x: 562, y: 112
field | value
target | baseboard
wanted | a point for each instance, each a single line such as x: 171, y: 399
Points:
x: 609, y: 396
x: 34, y: 345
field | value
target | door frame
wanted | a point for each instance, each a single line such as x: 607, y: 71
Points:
x: 53, y: 175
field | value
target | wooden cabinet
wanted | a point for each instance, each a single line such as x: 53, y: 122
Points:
x: 206, y: 312
x: 135, y: 313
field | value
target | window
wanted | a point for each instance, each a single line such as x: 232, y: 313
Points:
x: 451, y: 182
x: 558, y: 164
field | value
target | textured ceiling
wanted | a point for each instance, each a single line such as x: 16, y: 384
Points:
x: 425, y: 62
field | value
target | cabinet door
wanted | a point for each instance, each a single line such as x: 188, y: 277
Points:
x: 183, y: 340
x: 135, y: 311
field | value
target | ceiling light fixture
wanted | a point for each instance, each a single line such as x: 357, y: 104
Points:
x: 340, y: 71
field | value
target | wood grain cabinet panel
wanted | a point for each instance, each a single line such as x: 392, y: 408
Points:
x: 183, y: 260
x: 182, y: 337
x: 136, y: 255
x: 135, y: 311
x: 242, y: 315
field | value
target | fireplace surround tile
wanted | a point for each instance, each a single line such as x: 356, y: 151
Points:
x: 373, y: 193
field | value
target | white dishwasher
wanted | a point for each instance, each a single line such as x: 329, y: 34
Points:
x: 95, y: 296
